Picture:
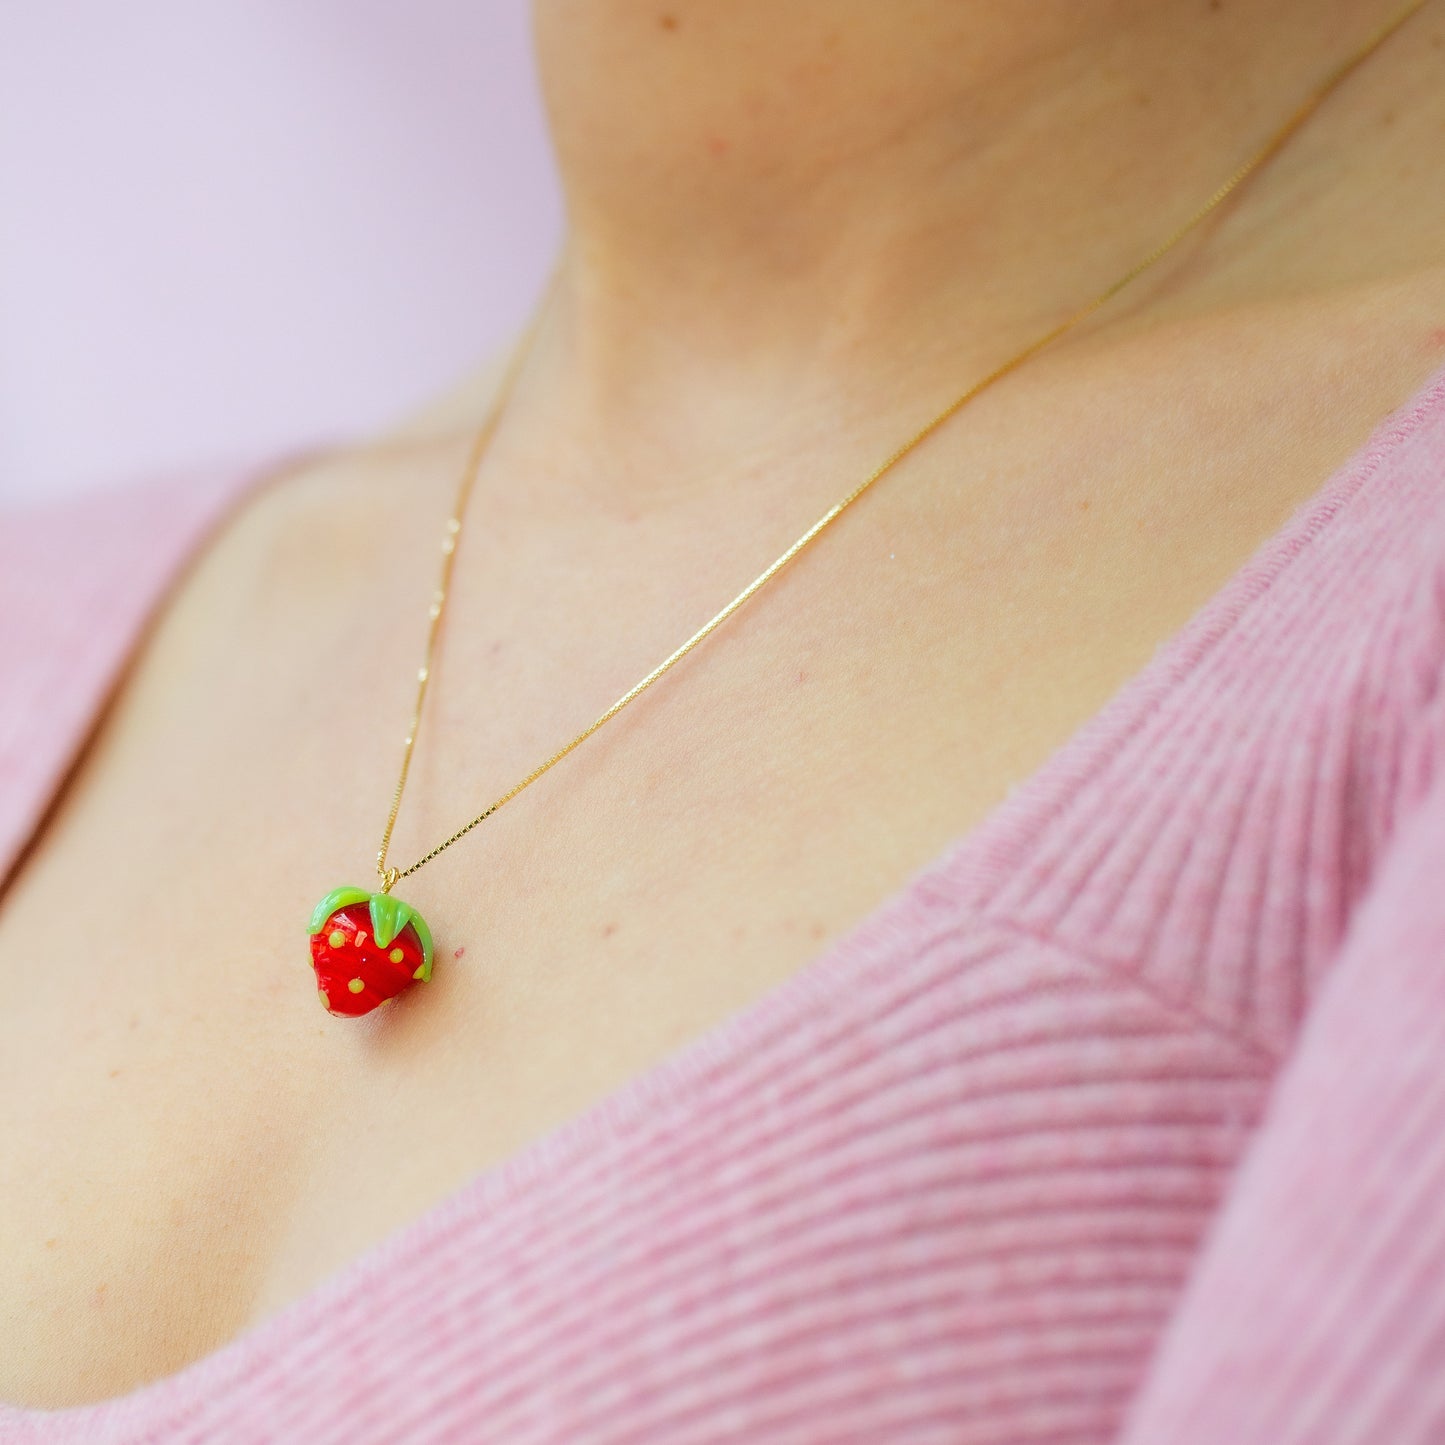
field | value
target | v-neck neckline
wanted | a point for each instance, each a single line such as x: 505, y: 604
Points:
x: 958, y: 880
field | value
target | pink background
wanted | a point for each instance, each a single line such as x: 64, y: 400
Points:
x: 235, y: 227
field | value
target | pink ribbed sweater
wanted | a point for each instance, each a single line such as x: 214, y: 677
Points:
x: 1123, y: 1121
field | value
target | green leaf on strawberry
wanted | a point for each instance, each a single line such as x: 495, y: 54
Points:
x: 423, y: 933
x: 388, y: 917
x: 337, y: 898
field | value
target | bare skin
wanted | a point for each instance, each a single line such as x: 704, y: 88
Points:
x: 765, y: 288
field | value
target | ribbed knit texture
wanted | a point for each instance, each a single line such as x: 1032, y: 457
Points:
x: 1123, y: 1123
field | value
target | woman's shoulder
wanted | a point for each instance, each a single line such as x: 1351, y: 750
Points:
x: 71, y: 558
x: 80, y: 528
x: 80, y: 575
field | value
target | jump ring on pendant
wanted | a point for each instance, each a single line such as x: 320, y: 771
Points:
x: 388, y: 879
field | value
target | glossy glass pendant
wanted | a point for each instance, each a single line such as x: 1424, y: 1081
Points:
x: 366, y: 948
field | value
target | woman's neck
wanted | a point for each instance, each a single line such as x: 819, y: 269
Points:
x: 776, y: 209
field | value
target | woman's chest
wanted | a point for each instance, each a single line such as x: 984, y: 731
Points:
x: 192, y: 1144
x: 957, y: 1142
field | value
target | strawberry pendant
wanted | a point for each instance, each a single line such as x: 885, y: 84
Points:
x: 366, y: 948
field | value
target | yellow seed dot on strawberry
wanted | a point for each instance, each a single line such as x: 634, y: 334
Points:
x: 396, y: 955
x: 356, y: 985
x: 321, y: 994
x: 336, y: 938
x: 360, y: 937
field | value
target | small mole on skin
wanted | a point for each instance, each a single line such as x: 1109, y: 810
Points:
x: 51, y: 1243
x: 817, y: 930
x: 98, y: 1298
x: 457, y: 953
x: 608, y: 929
x: 719, y: 145
x: 802, y: 675
x: 115, y: 1073
x: 667, y: 22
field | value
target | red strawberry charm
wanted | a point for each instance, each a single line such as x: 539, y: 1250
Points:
x: 366, y: 948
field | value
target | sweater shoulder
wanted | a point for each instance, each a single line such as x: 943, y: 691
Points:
x: 69, y: 557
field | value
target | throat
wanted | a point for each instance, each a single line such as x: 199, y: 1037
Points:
x: 772, y: 191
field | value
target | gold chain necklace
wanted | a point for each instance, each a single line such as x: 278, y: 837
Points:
x: 367, y: 947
